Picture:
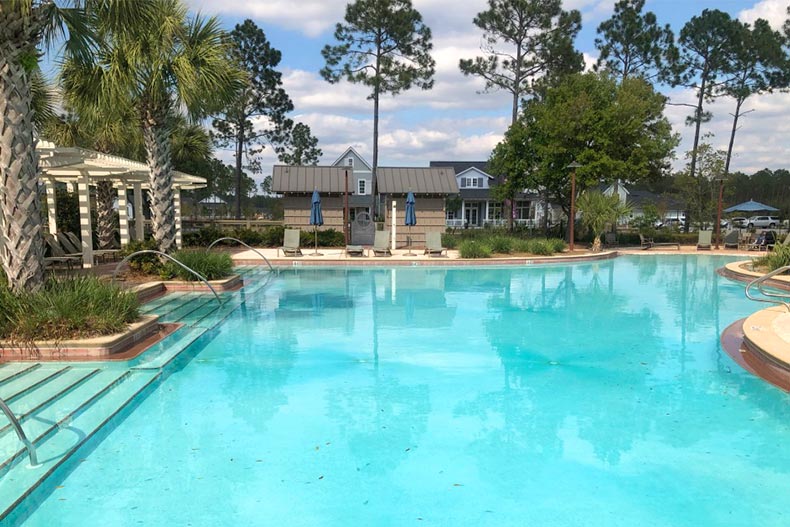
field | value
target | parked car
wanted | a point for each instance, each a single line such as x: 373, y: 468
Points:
x: 762, y: 222
x: 738, y: 222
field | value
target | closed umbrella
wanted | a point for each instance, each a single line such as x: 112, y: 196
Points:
x: 316, y: 218
x: 411, y: 218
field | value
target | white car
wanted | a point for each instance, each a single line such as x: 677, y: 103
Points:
x: 762, y: 222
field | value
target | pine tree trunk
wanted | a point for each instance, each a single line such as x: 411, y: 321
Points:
x: 21, y: 247
x: 105, y: 219
x: 735, y: 118
x: 239, y: 152
x: 157, y: 149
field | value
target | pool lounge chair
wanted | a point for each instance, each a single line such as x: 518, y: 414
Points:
x: 109, y: 254
x: 355, y: 250
x: 433, y: 244
x: 731, y: 239
x: 58, y: 255
x: 648, y: 243
x: 703, y: 242
x: 764, y: 240
x: 381, y: 244
x: 290, y: 243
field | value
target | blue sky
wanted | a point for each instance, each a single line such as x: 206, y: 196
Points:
x: 453, y: 121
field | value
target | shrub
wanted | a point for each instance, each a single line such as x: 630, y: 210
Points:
x: 557, y: 245
x: 540, y: 247
x: 326, y: 238
x: 212, y: 265
x: 501, y: 244
x: 520, y: 246
x: 775, y: 259
x: 66, y: 308
x: 474, y: 249
x: 449, y: 241
x: 143, y: 263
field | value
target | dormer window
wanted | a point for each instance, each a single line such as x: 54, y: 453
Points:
x: 361, y: 187
x: 351, y: 161
x: 471, y: 182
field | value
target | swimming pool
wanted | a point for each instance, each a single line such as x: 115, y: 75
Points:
x: 588, y: 394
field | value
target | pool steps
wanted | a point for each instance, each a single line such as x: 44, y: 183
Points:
x: 63, y: 406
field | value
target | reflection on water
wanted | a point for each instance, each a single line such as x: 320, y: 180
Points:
x: 567, y: 395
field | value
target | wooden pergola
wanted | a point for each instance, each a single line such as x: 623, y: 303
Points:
x: 80, y: 168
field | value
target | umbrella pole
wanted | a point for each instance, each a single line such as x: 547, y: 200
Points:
x: 315, y: 251
x: 410, y: 253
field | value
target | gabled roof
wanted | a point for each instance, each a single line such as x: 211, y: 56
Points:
x: 461, y: 166
x: 396, y: 180
x: 475, y: 169
x: 303, y: 179
x: 344, y: 155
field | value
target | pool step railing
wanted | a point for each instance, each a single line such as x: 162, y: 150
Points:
x: 770, y: 296
x: 60, y: 430
x: 256, y: 251
x: 17, y: 426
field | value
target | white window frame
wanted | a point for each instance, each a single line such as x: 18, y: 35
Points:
x: 350, y: 161
x: 362, y: 186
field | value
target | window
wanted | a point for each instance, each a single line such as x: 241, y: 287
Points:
x: 351, y: 161
x: 452, y: 214
x: 361, y: 186
x: 471, y: 182
x: 495, y: 210
x: 521, y: 211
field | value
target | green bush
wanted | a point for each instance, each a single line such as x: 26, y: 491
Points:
x: 267, y: 237
x: 775, y: 259
x: 66, y: 308
x: 449, y: 241
x: 540, y: 247
x: 557, y: 245
x: 520, y: 245
x: 501, y: 244
x: 474, y: 249
x: 148, y: 263
x: 212, y: 265
x: 326, y: 238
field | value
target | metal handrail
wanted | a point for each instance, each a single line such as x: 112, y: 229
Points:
x: 31, y: 448
x: 151, y: 251
x: 245, y: 245
x: 760, y: 281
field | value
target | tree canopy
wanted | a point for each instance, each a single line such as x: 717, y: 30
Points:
x: 538, y: 35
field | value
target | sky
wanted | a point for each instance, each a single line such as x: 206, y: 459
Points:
x: 454, y: 120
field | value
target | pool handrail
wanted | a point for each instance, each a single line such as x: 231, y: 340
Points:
x: 760, y: 281
x: 160, y: 253
x: 245, y: 245
x: 29, y: 446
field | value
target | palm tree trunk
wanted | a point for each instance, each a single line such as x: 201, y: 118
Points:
x: 21, y: 247
x: 157, y: 149
x: 105, y: 220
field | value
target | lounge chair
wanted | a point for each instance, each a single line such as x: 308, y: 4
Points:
x: 76, y: 244
x: 745, y: 240
x: 355, y: 250
x: 291, y: 243
x: 731, y: 239
x: 764, y: 240
x: 381, y: 244
x: 704, y: 240
x: 58, y: 255
x: 648, y: 243
x: 433, y: 244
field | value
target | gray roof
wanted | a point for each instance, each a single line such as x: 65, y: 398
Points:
x: 461, y: 166
x: 393, y: 180
x: 298, y: 179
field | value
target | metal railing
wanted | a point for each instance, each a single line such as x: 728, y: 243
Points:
x: 760, y: 282
x: 245, y: 245
x: 31, y: 448
x: 189, y: 269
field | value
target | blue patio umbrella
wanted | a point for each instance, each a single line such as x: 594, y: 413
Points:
x: 316, y: 218
x: 751, y: 206
x: 411, y: 218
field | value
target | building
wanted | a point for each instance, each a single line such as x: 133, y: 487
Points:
x: 670, y: 210
x: 350, y: 175
x: 479, y: 208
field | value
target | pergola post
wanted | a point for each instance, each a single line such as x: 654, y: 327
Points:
x: 123, y: 215
x: 177, y: 212
x: 86, y: 230
x: 139, y: 215
x: 52, y: 207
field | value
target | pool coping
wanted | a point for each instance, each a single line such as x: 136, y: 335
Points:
x: 736, y: 271
x: 95, y: 348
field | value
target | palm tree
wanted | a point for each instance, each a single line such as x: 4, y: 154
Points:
x: 599, y: 210
x: 157, y: 71
x: 25, y: 26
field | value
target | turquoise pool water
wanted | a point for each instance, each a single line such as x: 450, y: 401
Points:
x: 589, y: 394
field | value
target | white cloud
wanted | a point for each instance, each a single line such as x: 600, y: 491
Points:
x: 774, y: 11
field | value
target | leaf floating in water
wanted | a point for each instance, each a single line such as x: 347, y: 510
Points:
x: 259, y: 461
x: 407, y: 449
x: 317, y: 448
x: 457, y: 485
x: 59, y: 487
x: 320, y: 477
x: 328, y: 443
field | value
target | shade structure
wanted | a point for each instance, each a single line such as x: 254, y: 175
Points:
x: 316, y: 218
x: 751, y: 206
